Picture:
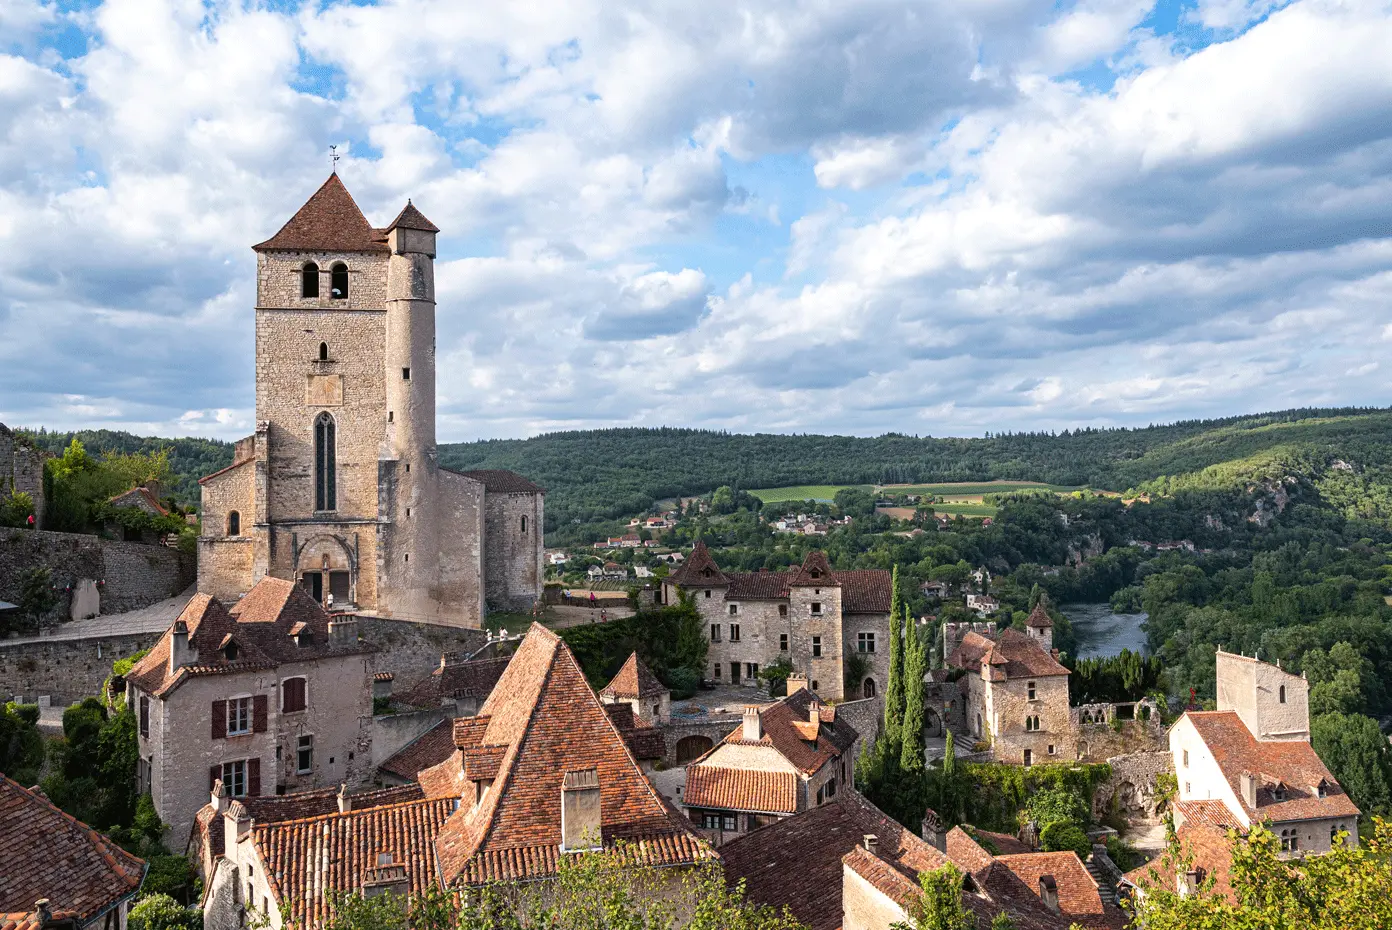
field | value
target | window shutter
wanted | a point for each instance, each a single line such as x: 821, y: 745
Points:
x: 214, y: 773
x: 219, y: 720
x: 258, y: 714
x: 254, y: 778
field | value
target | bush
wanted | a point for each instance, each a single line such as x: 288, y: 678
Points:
x: 1122, y: 853
x: 15, y: 509
x: 161, y: 912
x: 29, y: 713
x: 172, y: 877
x: 1063, y: 836
x: 1053, y: 805
x: 683, y: 682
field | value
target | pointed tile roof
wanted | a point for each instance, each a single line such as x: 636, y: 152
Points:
x: 411, y: 218
x: 330, y: 221
x: 1039, y: 618
x: 700, y: 569
x: 542, y: 721
x: 634, y: 680
x: 815, y: 571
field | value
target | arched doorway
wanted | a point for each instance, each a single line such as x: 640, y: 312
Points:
x: 692, y: 747
x: 932, y: 723
x: 326, y: 566
x: 867, y: 687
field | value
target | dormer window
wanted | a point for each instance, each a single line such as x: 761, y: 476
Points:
x: 230, y: 650
x: 1278, y: 792
x: 309, y: 280
x: 1322, y: 789
x: 338, y: 281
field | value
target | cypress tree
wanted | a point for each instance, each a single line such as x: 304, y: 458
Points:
x: 894, y: 692
x: 911, y: 751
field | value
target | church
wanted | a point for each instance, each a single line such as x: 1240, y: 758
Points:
x: 340, y: 489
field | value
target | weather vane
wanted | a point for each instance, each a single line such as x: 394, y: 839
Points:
x: 333, y: 155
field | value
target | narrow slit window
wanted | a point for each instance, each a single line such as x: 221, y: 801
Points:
x: 405, y: 374
x: 309, y: 280
x: 323, y: 351
x: 234, y: 524
x: 325, y: 464
x: 338, y: 281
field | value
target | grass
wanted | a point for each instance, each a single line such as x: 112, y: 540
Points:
x: 803, y: 492
x: 513, y: 622
x: 972, y: 488
x: 966, y: 510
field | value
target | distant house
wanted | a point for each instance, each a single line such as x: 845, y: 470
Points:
x: 144, y: 500
x: 556, y: 558
x: 983, y: 604
x: 642, y: 571
x: 630, y: 541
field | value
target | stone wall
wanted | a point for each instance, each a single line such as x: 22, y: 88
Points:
x: 864, y: 716
x: 1131, y: 790
x: 513, y: 570
x: 21, y: 470
x: 131, y: 575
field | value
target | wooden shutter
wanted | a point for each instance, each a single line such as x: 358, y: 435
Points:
x: 254, y: 778
x: 258, y: 714
x: 214, y: 773
x: 292, y: 695
x: 219, y: 720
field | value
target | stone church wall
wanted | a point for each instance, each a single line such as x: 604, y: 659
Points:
x: 225, y: 563
x: 513, y: 558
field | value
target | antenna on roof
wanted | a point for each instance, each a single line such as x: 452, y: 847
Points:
x: 333, y: 156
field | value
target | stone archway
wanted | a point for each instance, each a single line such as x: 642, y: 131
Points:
x: 693, y: 747
x: 932, y: 724
x: 326, y: 566
x: 868, y: 688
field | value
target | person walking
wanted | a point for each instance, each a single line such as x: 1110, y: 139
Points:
x: 593, y: 601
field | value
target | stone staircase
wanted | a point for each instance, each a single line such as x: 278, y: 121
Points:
x: 1105, y: 872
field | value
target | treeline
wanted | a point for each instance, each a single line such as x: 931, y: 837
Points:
x: 189, y: 459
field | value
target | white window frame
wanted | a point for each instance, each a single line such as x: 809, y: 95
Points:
x: 863, y: 639
x: 300, y: 749
x: 235, y: 707
x: 230, y: 776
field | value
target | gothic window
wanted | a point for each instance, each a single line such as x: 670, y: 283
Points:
x: 868, y: 687
x: 338, y: 281
x: 234, y: 523
x: 323, y: 351
x: 1290, y: 840
x: 325, y: 464
x: 309, y: 280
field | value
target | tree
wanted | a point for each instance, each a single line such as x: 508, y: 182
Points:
x: 1055, y: 805
x: 894, y: 690
x: 911, y: 754
x: 161, y: 912
x: 36, y: 594
x: 1344, y: 889
x: 1065, y: 836
x: 16, y: 508
x: 1359, y: 757
x: 938, y: 905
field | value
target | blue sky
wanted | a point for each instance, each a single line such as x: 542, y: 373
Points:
x: 937, y: 217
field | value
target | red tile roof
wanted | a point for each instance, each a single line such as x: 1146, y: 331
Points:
x: 1207, y: 848
x: 547, y: 722
x: 50, y: 854
x: 781, y: 725
x: 136, y: 497
x: 474, y: 679
x: 1039, y: 618
x: 863, y: 591
x: 330, y: 221
x: 260, y: 624
x: 1292, y: 763
x: 719, y: 788
x: 645, y: 742
x: 1205, y: 814
x: 411, y: 218
x: 1078, y: 896
x: 699, y: 569
x: 1012, y: 655
x: 501, y: 481
x: 634, y: 680
x: 309, y: 861
x: 815, y: 570
x: 430, y: 748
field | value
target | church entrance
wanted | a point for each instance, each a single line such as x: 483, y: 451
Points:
x: 334, y: 584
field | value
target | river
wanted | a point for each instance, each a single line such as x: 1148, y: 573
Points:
x: 1100, y: 632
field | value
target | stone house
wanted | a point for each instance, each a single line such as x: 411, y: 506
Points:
x: 848, y: 865
x: 637, y: 686
x: 21, y: 470
x: 784, y: 758
x: 340, y: 488
x: 1015, y: 692
x: 811, y: 616
x: 541, y: 771
x: 274, y: 695
x: 59, y: 872
x: 1254, y: 756
x: 143, y: 499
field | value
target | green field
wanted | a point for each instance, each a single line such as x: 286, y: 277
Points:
x: 804, y: 492
x: 965, y: 510
x: 970, y: 488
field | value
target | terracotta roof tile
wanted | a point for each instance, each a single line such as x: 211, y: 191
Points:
x: 549, y: 722
x: 50, y: 854
x: 1208, y: 848
x: 1078, y: 896
x: 411, y: 218
x: 330, y: 221
x: 474, y: 679
x: 634, y: 680
x: 1292, y: 763
x: 1205, y: 814
x: 501, y: 481
x: 309, y: 861
x: 699, y: 569
x: 1014, y: 654
x: 644, y: 741
x: 430, y: 748
x: 781, y: 725
x: 716, y: 787
x: 1039, y: 617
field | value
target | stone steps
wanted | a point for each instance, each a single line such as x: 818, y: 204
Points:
x: 1099, y: 874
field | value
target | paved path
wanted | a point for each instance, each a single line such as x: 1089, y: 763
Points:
x: 153, y: 619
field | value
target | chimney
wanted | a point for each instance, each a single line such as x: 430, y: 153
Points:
x: 796, y: 681
x: 219, y: 799
x: 343, y: 631
x: 814, y: 713
x: 179, y: 652
x: 932, y: 831
x: 1188, y: 883
x: 345, y: 804
x: 1048, y: 892
x: 43, y: 915
x: 236, y: 825
x: 581, y: 825
x: 1249, y: 789
x: 753, y: 726
x: 871, y: 842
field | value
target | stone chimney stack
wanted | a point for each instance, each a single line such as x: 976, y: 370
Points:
x: 581, y: 823
x: 871, y: 842
x: 796, y: 682
x: 343, y: 632
x: 43, y: 914
x: 345, y: 804
x: 1048, y: 892
x: 932, y: 831
x: 753, y: 726
x: 219, y: 797
x: 1249, y: 789
x: 179, y: 652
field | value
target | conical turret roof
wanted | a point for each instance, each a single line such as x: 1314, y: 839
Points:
x: 411, y: 218
x: 330, y: 221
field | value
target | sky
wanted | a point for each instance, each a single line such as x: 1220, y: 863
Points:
x: 944, y: 217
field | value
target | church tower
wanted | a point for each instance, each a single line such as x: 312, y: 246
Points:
x: 340, y: 488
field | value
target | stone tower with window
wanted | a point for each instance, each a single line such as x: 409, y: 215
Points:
x: 340, y: 488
